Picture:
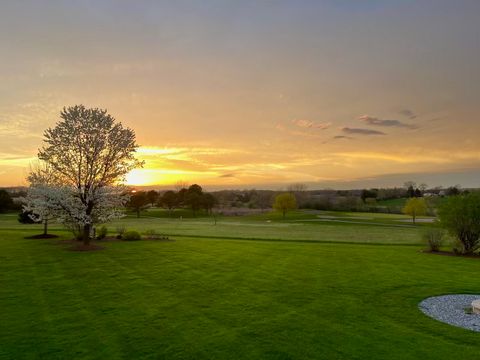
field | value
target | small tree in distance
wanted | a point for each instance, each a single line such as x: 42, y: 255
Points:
x: 194, y: 197
x: 208, y: 202
x: 6, y: 201
x: 285, y: 202
x: 152, y: 196
x: 169, y: 200
x: 415, y: 207
x: 138, y: 201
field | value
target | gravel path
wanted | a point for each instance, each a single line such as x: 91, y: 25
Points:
x: 450, y: 309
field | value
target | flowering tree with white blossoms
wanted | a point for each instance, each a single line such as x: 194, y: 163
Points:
x: 39, y: 202
x: 89, y: 154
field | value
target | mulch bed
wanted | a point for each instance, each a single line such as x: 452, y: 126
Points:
x: 450, y: 253
x: 109, y: 238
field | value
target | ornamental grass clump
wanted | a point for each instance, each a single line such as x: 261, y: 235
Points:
x: 434, y: 238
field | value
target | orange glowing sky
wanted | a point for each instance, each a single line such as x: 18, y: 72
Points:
x: 250, y: 93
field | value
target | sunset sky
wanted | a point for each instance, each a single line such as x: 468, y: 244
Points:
x: 253, y: 93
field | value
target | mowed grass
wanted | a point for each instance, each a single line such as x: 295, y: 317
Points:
x: 217, y: 298
x: 298, y: 226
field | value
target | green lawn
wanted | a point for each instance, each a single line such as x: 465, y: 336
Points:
x: 224, y: 298
x: 317, y: 226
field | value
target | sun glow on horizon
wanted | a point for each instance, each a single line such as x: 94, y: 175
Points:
x: 144, y: 177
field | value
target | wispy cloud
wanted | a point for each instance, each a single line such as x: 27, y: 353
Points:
x: 310, y: 124
x: 388, y: 123
x: 298, y: 132
x: 408, y: 113
x: 357, y: 131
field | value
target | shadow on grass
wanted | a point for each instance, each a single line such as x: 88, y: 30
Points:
x: 42, y: 236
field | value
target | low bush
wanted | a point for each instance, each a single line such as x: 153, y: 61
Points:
x: 151, y: 234
x: 102, y: 233
x: 25, y: 217
x: 434, y: 238
x: 131, y: 236
x: 120, y: 231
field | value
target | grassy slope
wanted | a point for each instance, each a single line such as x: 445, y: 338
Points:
x: 224, y: 299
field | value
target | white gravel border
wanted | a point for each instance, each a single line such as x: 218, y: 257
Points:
x: 450, y: 309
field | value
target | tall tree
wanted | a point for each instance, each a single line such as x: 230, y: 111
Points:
x: 193, y: 197
x: 300, y: 192
x: 423, y: 187
x: 368, y: 194
x: 6, y: 202
x: 410, y: 191
x: 91, y: 153
x: 138, y: 201
x: 152, y: 196
x: 208, y: 202
x: 169, y: 200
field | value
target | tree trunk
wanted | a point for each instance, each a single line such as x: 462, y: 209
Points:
x: 138, y: 213
x: 88, y: 226
x: 86, y: 234
x: 45, y: 227
x: 284, y: 214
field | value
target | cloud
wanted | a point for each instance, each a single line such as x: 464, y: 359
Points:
x: 390, y: 123
x: 338, y: 137
x: 356, y: 131
x: 310, y: 124
x: 408, y: 113
x: 227, y: 176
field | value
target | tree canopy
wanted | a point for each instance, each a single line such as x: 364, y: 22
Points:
x: 285, y: 202
x: 6, y: 202
x: 460, y: 215
x: 415, y: 207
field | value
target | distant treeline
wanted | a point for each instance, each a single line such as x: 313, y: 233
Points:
x: 11, y: 200
x: 193, y: 197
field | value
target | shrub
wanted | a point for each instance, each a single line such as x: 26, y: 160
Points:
x: 460, y: 215
x: 458, y: 247
x: 102, y: 233
x: 25, y: 217
x: 153, y: 235
x: 434, y: 238
x: 150, y: 232
x: 120, y: 231
x: 131, y: 236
